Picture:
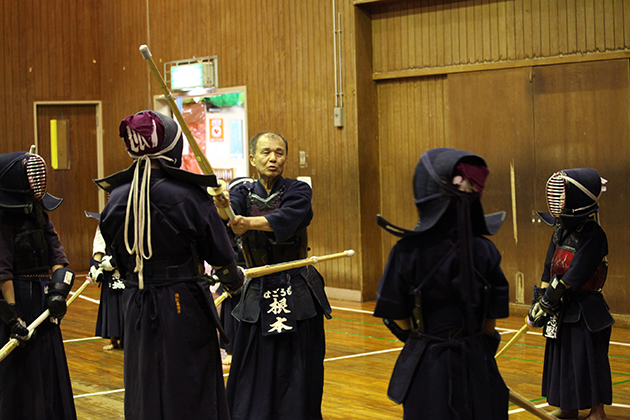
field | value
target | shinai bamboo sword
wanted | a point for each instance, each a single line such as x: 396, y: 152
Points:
x: 274, y: 268
x: 14, y: 342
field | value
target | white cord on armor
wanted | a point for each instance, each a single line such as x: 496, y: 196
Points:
x: 586, y: 191
x: 139, y: 203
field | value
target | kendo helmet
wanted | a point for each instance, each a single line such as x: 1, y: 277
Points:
x: 434, y: 190
x: 150, y: 134
x: 154, y: 135
x: 574, y: 192
x: 23, y: 181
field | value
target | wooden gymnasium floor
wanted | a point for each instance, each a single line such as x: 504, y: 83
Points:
x: 359, y: 359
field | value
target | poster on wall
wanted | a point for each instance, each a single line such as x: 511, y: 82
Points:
x: 216, y: 129
x: 218, y: 122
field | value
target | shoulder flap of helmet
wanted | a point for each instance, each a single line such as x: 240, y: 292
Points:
x: 190, y: 177
x: 494, y: 221
x: 393, y: 229
x: 546, y: 217
x: 50, y: 202
x: 112, y: 181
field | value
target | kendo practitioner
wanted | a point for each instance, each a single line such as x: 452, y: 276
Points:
x: 161, y: 225
x: 103, y: 271
x: 570, y: 305
x: 277, y: 370
x: 34, y: 379
x: 441, y: 293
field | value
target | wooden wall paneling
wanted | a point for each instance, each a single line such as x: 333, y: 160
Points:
x: 364, y: 115
x: 443, y: 25
x: 535, y: 28
x: 405, y: 45
x: 7, y: 74
x: 618, y: 16
x: 74, y: 185
x: 488, y: 47
x: 400, y: 42
x: 28, y: 31
x: 546, y: 13
x: 390, y: 46
x: 464, y: 38
x: 358, y: 141
x: 351, y: 275
x: 581, y: 120
x: 479, y: 27
x: 506, y: 30
x: 429, y: 39
x: 600, y: 26
x: 451, y: 24
x: 410, y: 122
x: 590, y: 15
x: 42, y: 63
x: 561, y: 44
x: 417, y: 58
x: 125, y: 77
x: 490, y: 113
x: 493, y: 29
x: 571, y: 26
x: 527, y: 31
x: 580, y: 19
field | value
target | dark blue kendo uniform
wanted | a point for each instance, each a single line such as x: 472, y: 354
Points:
x: 172, y: 357
x: 456, y: 375
x: 277, y: 370
x: 34, y: 379
x: 576, y: 373
x: 445, y: 276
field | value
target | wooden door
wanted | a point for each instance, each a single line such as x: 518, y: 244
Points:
x: 73, y: 184
x: 491, y: 114
x: 581, y: 120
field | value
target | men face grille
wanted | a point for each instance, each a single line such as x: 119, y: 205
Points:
x: 36, y: 174
x: 556, y: 194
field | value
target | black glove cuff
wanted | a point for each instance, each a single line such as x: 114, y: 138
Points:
x: 400, y: 334
x: 61, y: 282
x: 556, y: 289
x: 231, y: 277
x: 10, y: 311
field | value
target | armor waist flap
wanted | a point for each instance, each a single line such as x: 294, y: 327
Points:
x: 259, y: 248
x: 31, y: 250
x: 560, y: 265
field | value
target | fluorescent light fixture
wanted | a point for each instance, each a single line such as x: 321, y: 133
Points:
x: 187, y: 76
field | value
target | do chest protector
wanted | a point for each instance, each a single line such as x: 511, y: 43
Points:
x: 30, y: 249
x: 563, y: 256
x: 259, y: 248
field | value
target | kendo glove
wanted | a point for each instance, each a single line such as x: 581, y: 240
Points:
x: 402, y: 335
x: 96, y: 271
x: 98, y: 267
x: 11, y: 314
x: 537, y: 317
x: 58, y: 289
x: 231, y: 277
x: 550, y: 301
